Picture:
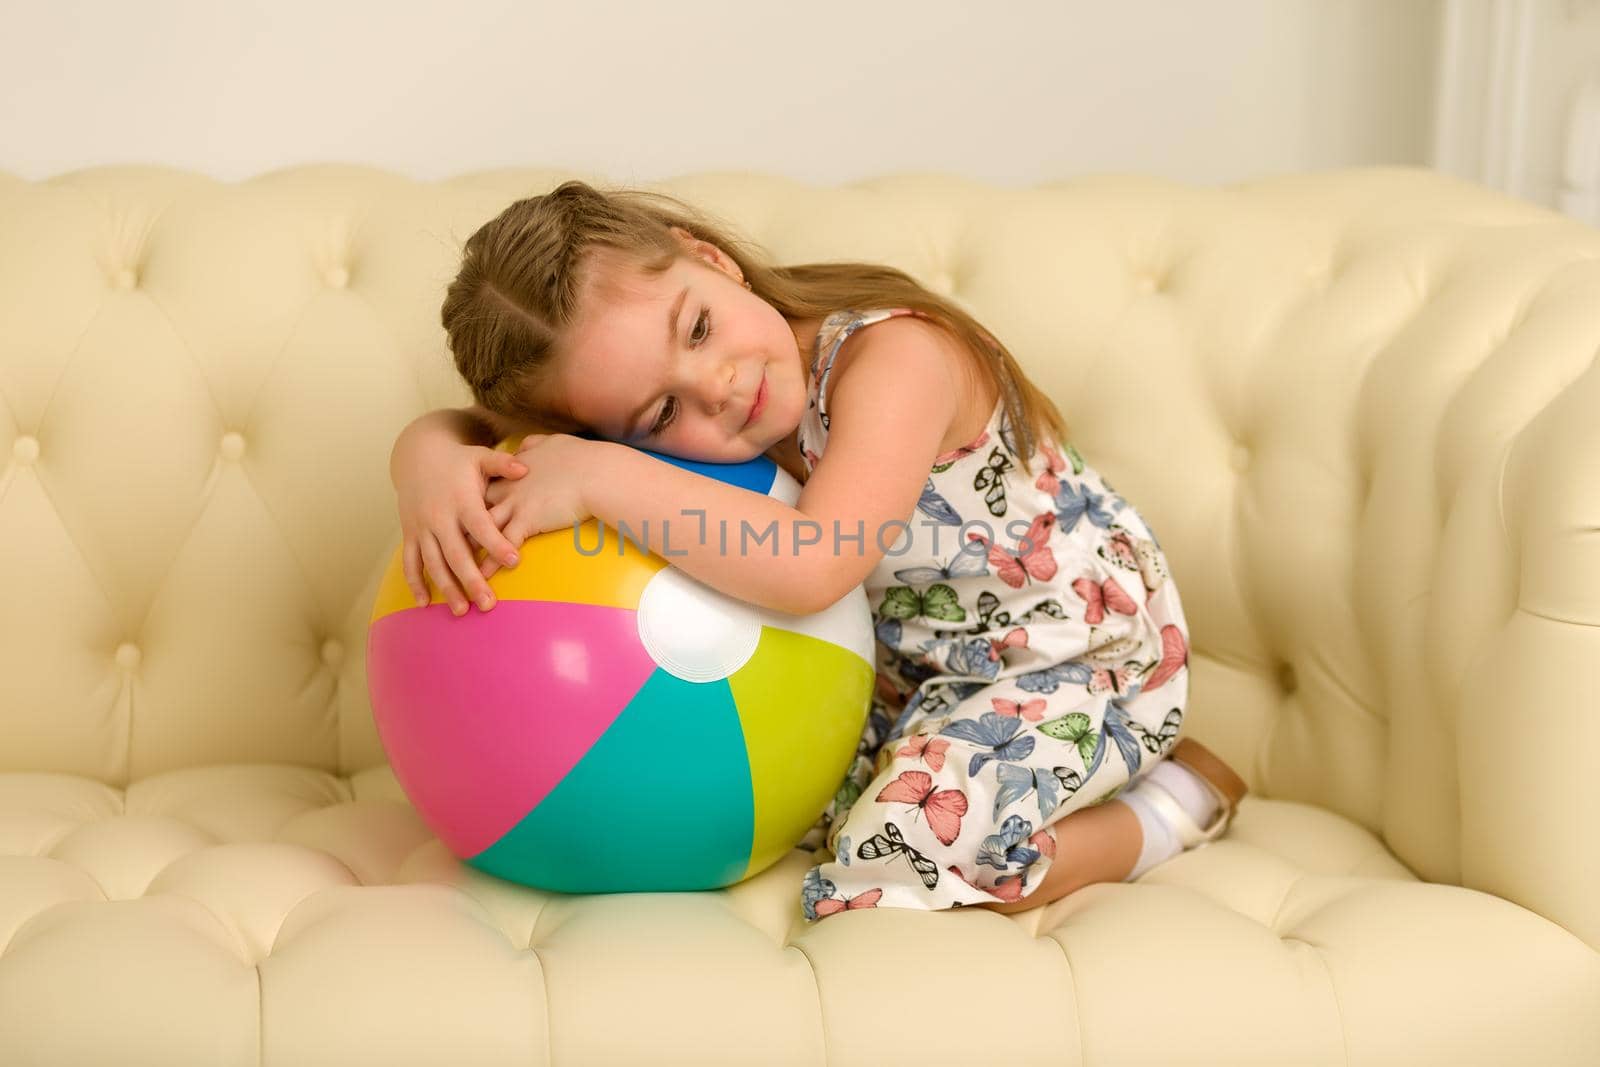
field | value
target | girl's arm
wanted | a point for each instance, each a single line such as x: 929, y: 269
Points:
x: 469, y: 426
x: 889, y: 408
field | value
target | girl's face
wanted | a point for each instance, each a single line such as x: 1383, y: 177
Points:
x: 675, y: 363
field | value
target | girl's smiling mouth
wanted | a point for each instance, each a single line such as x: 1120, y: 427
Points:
x: 760, y: 402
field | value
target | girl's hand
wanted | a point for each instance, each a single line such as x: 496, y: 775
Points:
x: 440, y: 484
x: 549, y: 496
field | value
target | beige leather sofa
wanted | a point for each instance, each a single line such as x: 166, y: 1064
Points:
x: 1361, y: 409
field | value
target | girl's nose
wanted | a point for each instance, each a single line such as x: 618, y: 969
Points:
x: 720, y: 389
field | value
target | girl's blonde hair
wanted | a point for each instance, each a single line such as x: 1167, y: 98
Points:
x: 523, y: 272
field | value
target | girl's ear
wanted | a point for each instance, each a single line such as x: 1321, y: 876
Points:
x: 691, y: 244
x: 708, y: 252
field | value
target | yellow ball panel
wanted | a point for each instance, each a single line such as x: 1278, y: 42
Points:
x: 550, y: 568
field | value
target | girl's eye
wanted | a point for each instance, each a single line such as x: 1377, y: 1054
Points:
x: 666, y: 419
x: 669, y: 410
x: 705, y: 317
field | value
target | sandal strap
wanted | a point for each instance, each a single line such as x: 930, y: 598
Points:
x: 1189, y: 832
x: 1228, y: 787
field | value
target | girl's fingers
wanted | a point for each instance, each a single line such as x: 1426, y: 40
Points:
x: 440, y: 573
x: 487, y: 532
x: 504, y: 464
x: 519, y: 539
x: 411, y: 564
x: 459, y: 553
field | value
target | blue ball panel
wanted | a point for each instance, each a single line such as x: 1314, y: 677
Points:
x: 756, y: 474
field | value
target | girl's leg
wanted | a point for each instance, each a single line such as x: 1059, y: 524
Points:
x: 1097, y: 844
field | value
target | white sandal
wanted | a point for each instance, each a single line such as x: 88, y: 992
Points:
x: 1224, y: 784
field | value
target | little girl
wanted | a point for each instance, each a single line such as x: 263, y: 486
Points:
x: 1032, y: 650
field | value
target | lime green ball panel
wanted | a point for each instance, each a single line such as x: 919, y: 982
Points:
x: 803, y: 703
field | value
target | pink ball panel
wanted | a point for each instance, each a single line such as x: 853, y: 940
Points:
x: 523, y: 706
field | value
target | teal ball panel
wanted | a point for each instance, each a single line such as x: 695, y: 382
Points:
x: 662, y: 802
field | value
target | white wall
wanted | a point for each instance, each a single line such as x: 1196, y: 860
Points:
x: 1519, y: 99
x: 824, y: 90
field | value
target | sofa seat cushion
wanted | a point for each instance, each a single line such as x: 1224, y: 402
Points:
x: 215, y: 906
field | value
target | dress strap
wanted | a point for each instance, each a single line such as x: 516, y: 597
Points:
x: 831, y: 335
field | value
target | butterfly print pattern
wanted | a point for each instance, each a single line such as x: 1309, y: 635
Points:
x: 1032, y: 660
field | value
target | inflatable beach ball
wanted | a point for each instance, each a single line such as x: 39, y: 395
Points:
x: 612, y: 724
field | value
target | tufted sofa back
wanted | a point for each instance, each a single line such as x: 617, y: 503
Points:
x: 1352, y: 406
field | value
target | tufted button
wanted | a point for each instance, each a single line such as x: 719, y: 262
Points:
x: 332, y: 652
x: 1286, y: 679
x: 232, y: 444
x: 25, y: 448
x: 339, y: 277
x: 1147, y: 283
x: 128, y: 655
x: 1241, y: 458
x: 943, y: 283
x: 125, y: 278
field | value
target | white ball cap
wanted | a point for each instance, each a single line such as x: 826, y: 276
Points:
x: 692, y: 631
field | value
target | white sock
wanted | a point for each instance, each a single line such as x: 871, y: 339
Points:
x: 1160, y: 839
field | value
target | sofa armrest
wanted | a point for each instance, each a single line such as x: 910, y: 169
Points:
x: 1528, y: 724
x: 1477, y: 559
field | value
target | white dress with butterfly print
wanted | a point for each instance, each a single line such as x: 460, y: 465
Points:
x: 1039, y: 672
